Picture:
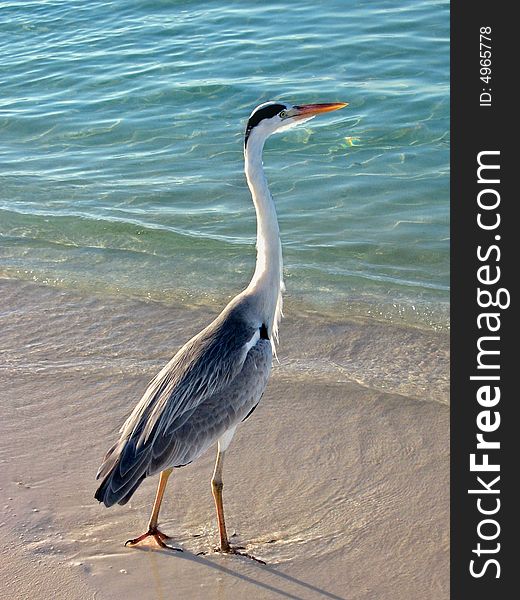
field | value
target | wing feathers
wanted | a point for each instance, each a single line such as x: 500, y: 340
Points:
x: 165, y: 428
x: 207, y: 364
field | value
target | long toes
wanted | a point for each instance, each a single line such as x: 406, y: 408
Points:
x: 158, y: 540
x: 258, y: 560
x: 235, y: 550
x: 136, y: 540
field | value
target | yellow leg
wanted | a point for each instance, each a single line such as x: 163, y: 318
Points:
x: 153, y: 532
x: 216, y: 487
x: 163, y: 480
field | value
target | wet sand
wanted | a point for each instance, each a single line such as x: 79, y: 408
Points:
x: 339, y: 481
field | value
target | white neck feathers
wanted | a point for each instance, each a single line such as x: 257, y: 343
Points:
x: 266, y: 285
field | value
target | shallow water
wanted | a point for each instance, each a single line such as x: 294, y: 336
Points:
x: 110, y: 336
x: 121, y: 155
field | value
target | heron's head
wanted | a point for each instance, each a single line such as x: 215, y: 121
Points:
x: 270, y: 117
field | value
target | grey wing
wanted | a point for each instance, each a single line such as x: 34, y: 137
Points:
x: 188, y: 403
x: 188, y: 438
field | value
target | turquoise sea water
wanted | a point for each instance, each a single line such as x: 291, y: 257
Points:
x: 121, y: 128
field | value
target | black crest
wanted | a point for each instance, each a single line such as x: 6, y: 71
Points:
x: 265, y: 112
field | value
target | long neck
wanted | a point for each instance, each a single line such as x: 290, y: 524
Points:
x: 267, y: 279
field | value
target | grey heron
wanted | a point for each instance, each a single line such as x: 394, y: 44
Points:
x: 217, y: 378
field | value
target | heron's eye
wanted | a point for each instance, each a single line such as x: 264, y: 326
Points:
x: 283, y: 114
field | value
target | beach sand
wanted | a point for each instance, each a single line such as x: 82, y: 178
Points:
x: 339, y: 481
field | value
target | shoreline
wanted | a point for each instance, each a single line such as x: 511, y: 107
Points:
x: 387, y: 356
x: 340, y: 482
x: 420, y: 313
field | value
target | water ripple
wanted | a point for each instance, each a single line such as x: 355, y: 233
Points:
x: 123, y: 122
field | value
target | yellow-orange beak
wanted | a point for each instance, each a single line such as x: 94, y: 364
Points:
x: 309, y: 110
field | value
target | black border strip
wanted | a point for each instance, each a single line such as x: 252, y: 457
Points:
x: 478, y: 128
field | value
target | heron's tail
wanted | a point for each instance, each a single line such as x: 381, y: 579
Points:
x: 123, y: 470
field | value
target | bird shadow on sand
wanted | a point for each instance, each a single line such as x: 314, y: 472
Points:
x: 262, y: 571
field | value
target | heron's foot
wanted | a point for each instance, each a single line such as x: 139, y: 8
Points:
x: 158, y: 538
x: 228, y: 549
